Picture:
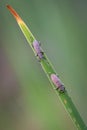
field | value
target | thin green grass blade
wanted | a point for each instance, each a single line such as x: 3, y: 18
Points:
x: 48, y: 69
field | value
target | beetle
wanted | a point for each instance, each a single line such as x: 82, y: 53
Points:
x: 38, y: 50
x: 57, y: 82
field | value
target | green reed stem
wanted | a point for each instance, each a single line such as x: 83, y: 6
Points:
x: 48, y: 69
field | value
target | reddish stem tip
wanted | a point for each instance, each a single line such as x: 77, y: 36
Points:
x: 14, y: 13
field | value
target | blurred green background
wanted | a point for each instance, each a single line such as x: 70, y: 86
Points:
x: 61, y: 26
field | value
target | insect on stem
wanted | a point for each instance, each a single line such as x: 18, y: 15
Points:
x: 38, y: 49
x: 57, y: 82
x: 50, y: 72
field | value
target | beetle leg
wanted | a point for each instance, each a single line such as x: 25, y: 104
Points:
x: 36, y: 55
x: 39, y: 43
x: 42, y: 52
x: 57, y: 75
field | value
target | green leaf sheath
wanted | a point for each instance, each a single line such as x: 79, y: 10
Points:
x: 48, y: 69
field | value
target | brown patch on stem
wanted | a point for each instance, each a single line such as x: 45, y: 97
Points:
x: 14, y: 13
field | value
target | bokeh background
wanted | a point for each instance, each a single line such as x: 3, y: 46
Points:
x: 27, y: 100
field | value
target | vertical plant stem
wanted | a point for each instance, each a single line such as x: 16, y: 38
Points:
x: 48, y: 69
